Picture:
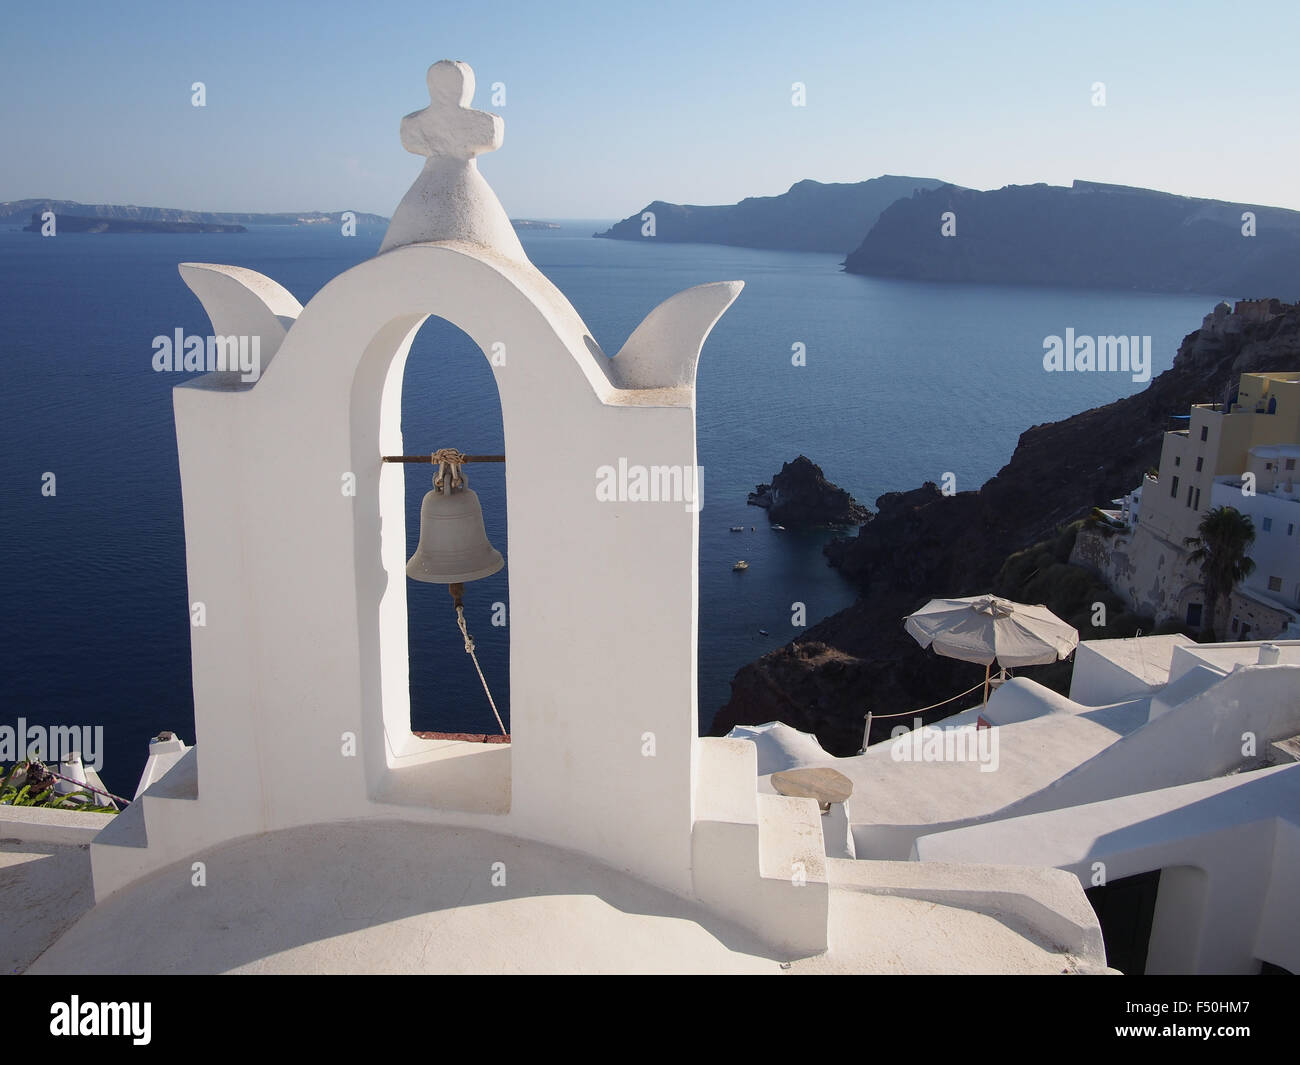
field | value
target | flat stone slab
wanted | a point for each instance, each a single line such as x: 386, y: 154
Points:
x: 824, y: 785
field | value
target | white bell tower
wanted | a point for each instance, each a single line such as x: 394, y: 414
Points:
x: 301, y: 692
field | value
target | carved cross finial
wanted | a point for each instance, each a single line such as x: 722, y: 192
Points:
x: 450, y: 200
x: 449, y: 126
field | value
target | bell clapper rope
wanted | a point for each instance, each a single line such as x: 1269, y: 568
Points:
x: 457, y: 596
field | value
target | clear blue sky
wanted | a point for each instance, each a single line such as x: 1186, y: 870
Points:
x: 610, y: 105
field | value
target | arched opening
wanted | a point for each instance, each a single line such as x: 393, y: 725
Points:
x: 449, y: 399
x: 445, y: 397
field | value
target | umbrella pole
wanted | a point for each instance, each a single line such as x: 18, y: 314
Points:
x: 986, y: 683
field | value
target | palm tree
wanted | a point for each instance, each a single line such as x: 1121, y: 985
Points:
x: 1220, y: 550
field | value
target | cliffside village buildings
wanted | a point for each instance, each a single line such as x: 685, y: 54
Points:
x: 1243, y: 452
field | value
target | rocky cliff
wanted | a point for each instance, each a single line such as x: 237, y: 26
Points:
x: 1089, y: 235
x: 800, y: 495
x: 811, y: 216
x: 922, y: 544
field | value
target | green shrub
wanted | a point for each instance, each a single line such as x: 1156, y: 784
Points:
x: 1042, y: 574
x: 16, y: 791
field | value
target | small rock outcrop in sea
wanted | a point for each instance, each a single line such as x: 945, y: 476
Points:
x: 801, y: 495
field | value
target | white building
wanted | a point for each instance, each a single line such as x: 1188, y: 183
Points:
x: 1166, y: 783
x: 1256, y: 430
x: 1271, y: 498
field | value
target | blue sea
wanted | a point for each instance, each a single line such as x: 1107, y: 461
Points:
x: 903, y: 383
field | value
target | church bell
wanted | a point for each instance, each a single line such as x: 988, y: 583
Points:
x: 453, y: 544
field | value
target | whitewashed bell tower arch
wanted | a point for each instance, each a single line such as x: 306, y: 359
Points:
x: 304, y: 586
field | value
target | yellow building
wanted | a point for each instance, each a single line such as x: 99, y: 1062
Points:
x: 1217, y: 443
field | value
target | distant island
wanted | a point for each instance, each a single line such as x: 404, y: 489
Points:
x: 65, y: 210
x: 74, y: 217
x: 71, y: 223
x: 1089, y: 235
x: 811, y: 216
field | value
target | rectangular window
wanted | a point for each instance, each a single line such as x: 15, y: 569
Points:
x: 1199, y: 462
x: 1178, y: 460
x: 1173, y: 491
x: 1205, y: 431
x: 1268, y: 524
x: 1275, y: 584
x: 1290, y: 464
x: 1197, y: 504
x: 1290, y: 528
x: 1189, y: 495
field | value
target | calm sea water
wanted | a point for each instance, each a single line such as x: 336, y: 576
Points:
x: 903, y: 383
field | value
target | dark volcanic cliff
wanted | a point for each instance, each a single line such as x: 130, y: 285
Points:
x: 922, y: 545
x: 1089, y: 235
x: 811, y: 216
x: 800, y: 495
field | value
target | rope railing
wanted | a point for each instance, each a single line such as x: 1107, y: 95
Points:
x: 871, y: 718
x: 922, y: 710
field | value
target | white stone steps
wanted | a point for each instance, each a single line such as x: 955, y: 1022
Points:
x: 121, y: 852
x: 758, y: 859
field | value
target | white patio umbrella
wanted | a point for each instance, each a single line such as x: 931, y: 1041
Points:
x: 986, y: 629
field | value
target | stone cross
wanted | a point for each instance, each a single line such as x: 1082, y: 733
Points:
x: 449, y: 126
x: 450, y: 200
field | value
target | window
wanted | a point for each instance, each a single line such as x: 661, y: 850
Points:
x: 1205, y: 431
x: 1199, y: 462
x: 1194, y: 615
x: 1268, y: 465
x: 1290, y: 464
x: 1173, y: 491
x: 1268, y: 524
x: 1275, y: 584
x: 1189, y: 495
x: 1178, y: 460
x: 1197, y: 504
x: 1290, y: 528
x: 1235, y: 624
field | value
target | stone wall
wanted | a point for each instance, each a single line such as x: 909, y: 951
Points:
x: 1151, y: 575
x: 1265, y: 621
x: 1155, y: 578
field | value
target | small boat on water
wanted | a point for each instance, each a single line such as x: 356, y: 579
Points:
x: 762, y: 632
x: 737, y: 528
x: 779, y: 528
x: 741, y: 565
